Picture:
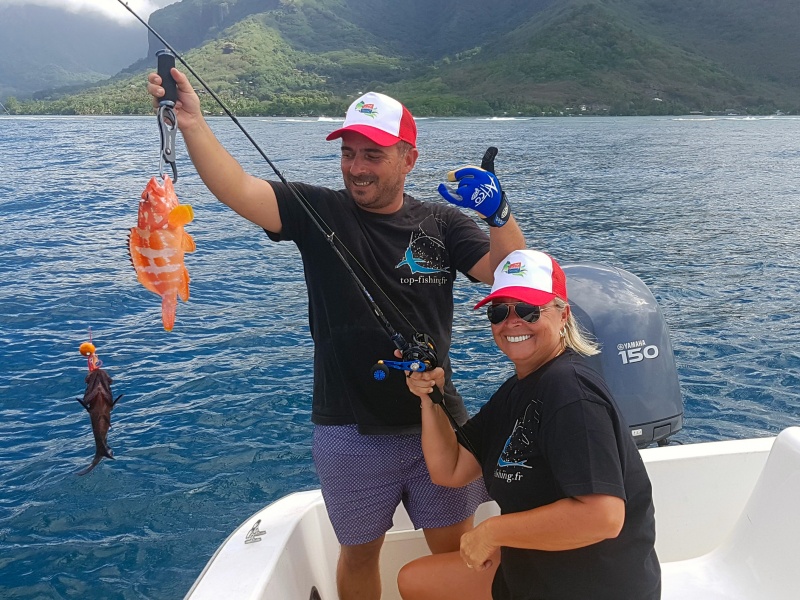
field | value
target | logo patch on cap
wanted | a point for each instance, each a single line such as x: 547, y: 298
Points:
x: 379, y: 118
x: 528, y: 276
x: 514, y: 269
x: 367, y: 109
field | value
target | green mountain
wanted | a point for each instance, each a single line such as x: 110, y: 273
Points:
x: 453, y: 57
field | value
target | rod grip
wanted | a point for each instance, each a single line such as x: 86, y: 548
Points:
x: 436, y: 396
x: 487, y: 164
x: 166, y: 60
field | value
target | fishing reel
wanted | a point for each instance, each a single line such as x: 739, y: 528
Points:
x: 417, y: 356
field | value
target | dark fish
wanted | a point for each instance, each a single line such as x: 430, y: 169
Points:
x: 98, y: 401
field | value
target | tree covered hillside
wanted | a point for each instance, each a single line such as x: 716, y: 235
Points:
x: 459, y: 57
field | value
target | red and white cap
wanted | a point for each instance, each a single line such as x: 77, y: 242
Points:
x: 380, y: 118
x: 528, y: 276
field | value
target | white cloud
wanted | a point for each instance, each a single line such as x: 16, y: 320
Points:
x: 108, y: 8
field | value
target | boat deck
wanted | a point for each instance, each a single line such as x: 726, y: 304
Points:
x: 699, y: 491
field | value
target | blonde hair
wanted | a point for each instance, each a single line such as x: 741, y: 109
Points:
x: 574, y: 336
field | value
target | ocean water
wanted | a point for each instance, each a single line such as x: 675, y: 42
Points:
x: 214, y: 421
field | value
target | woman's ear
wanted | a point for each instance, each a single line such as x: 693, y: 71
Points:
x: 565, y: 315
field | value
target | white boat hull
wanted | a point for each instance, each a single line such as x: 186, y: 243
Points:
x: 699, y: 491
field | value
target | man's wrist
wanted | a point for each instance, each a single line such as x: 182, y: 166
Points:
x: 501, y: 215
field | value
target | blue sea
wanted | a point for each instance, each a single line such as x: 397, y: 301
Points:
x: 215, y: 423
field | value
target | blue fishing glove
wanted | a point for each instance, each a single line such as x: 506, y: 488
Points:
x: 479, y: 189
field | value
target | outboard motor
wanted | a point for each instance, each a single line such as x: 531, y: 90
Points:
x: 636, y: 361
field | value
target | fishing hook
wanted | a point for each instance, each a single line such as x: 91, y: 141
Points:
x: 90, y: 352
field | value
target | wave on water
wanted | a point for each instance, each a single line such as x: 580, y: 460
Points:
x: 302, y: 120
x: 503, y: 118
x: 735, y: 118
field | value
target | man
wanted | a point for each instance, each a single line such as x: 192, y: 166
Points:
x: 406, y: 253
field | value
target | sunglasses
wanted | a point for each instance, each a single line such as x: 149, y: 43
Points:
x: 498, y: 313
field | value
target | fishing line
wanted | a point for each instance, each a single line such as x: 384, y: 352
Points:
x: 419, y: 354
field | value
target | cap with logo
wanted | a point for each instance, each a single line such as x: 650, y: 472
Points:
x: 528, y: 276
x: 380, y: 118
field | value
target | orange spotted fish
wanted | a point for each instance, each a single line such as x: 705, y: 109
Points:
x: 157, y: 245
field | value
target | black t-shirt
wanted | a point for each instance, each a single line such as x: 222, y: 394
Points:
x: 557, y: 433
x: 407, y: 261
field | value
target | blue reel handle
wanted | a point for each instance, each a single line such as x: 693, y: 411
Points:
x: 380, y: 372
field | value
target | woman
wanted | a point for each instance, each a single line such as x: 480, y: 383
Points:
x: 576, y: 505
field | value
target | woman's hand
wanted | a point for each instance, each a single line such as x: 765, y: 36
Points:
x: 477, y: 551
x: 421, y: 383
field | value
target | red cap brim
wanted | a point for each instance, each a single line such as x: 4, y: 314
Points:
x: 521, y: 294
x: 378, y: 136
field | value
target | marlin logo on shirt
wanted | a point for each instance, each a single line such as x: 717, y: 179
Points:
x: 425, y: 256
x: 517, y: 443
x: 501, y: 462
x: 367, y: 109
x: 415, y: 266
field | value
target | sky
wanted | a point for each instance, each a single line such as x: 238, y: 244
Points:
x: 109, y: 8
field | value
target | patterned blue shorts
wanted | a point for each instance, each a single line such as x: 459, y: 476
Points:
x: 365, y: 477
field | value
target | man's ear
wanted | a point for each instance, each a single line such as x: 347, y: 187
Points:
x: 410, y: 160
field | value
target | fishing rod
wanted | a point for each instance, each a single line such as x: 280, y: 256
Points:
x: 318, y: 221
x: 419, y: 354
